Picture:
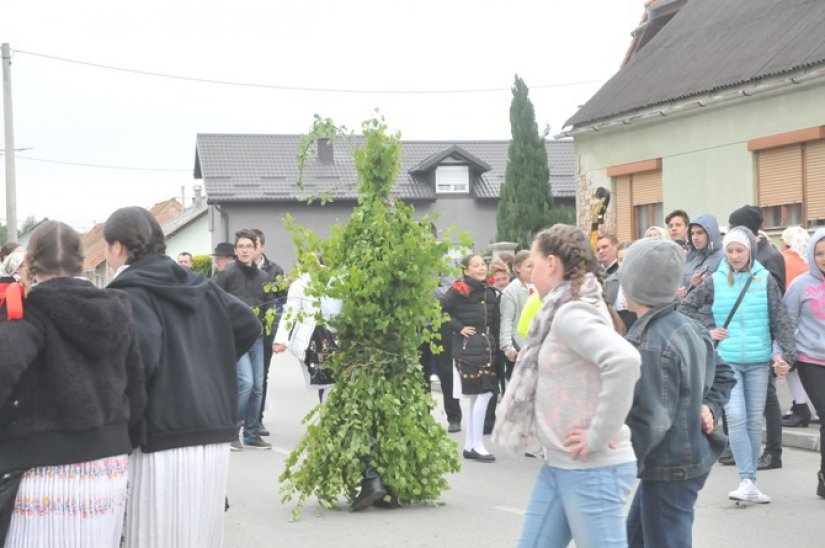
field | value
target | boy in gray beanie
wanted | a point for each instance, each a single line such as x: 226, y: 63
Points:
x: 679, y: 394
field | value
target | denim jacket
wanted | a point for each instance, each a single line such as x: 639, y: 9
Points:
x: 680, y: 373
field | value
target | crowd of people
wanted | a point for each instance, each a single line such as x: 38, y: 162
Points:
x: 563, y: 352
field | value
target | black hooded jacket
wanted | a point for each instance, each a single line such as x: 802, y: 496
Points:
x: 191, y: 334
x: 71, y: 380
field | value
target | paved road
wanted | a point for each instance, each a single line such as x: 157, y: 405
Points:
x: 485, y: 504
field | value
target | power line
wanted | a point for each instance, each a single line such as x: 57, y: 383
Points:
x: 102, y: 166
x: 298, y: 88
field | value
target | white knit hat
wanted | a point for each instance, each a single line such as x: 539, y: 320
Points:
x: 737, y: 236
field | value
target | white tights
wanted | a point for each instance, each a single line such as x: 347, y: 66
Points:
x: 475, y: 424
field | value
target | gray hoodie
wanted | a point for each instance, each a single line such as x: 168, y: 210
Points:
x: 805, y: 303
x: 709, y: 257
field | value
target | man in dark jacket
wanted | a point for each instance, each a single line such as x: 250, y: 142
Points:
x: 751, y: 217
x: 245, y: 280
x: 278, y: 296
x: 681, y: 391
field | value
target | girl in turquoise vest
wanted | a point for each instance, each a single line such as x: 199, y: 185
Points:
x: 757, y: 338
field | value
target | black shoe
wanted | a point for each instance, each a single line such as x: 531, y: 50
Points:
x: 475, y: 455
x: 454, y: 427
x: 768, y: 461
x: 257, y: 443
x: 262, y: 431
x: 726, y: 458
x: 372, y: 490
x: 820, y: 488
x: 799, y: 416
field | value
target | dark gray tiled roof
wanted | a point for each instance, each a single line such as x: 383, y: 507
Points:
x: 240, y: 168
x: 711, y: 45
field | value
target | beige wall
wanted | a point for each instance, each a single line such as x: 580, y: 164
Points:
x: 706, y: 166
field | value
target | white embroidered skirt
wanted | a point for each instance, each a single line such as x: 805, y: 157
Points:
x: 70, y: 505
x: 176, y: 497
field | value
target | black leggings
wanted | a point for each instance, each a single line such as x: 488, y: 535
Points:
x: 813, y: 379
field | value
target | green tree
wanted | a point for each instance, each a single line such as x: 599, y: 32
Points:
x: 28, y: 224
x: 202, y: 264
x: 2, y: 232
x: 383, y: 266
x: 526, y: 203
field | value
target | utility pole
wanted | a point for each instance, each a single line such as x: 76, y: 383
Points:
x: 11, y: 186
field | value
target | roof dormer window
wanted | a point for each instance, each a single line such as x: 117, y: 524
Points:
x: 452, y: 180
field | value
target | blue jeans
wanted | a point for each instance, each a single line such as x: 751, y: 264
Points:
x: 250, y: 390
x: 744, y: 412
x: 661, y: 515
x: 585, y: 505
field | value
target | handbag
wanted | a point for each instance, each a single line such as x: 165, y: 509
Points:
x: 735, y: 306
x: 321, y: 346
x: 9, y: 484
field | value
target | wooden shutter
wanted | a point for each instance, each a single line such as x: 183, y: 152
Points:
x: 779, y: 176
x: 815, y: 180
x: 623, y: 208
x: 647, y: 187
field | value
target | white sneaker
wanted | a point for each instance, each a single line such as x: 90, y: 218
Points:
x: 749, y: 492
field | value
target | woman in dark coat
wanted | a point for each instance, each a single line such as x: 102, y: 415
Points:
x: 71, y: 399
x: 473, y: 306
x: 191, y: 334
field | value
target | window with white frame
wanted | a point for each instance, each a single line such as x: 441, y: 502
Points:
x: 452, y: 180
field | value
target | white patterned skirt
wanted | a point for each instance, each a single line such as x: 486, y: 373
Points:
x: 176, y: 497
x: 70, y: 505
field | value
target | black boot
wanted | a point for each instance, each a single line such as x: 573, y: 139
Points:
x: 726, y: 457
x: 800, y: 415
x: 372, y: 489
x: 820, y: 488
x: 390, y: 501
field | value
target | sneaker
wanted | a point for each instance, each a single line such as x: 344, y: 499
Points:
x: 262, y: 431
x: 258, y: 443
x: 236, y: 445
x: 749, y: 492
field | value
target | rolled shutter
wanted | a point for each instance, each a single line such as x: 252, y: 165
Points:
x: 779, y: 176
x: 815, y: 180
x: 647, y: 187
x: 623, y: 208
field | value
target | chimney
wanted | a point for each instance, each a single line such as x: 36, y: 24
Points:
x: 326, y: 154
x: 197, y: 201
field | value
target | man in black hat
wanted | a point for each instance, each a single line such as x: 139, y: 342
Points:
x: 224, y: 255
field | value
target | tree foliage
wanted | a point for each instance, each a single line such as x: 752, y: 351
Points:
x: 202, y: 264
x: 383, y: 266
x: 526, y: 203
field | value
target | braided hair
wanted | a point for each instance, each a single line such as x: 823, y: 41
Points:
x: 137, y: 230
x: 55, y: 249
x: 569, y: 244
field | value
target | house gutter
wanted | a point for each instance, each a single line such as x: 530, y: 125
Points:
x: 763, y: 88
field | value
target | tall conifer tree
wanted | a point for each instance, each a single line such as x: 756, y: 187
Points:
x: 526, y: 201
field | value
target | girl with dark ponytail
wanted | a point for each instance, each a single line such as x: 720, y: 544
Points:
x: 191, y: 334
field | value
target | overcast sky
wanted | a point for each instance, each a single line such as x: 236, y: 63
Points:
x: 68, y: 112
